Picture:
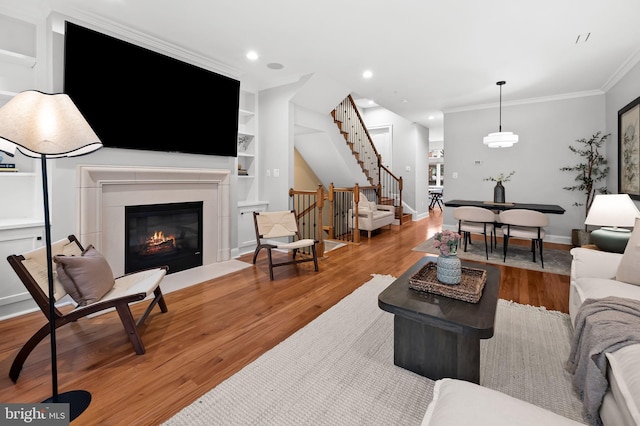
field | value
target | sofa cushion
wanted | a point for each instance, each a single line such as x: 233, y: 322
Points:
x: 624, y: 379
x: 598, y: 288
x: 87, y: 278
x: 457, y: 402
x: 629, y: 267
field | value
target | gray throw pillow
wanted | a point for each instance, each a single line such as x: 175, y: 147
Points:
x: 87, y: 278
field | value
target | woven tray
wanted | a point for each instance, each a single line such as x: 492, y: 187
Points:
x: 469, y: 289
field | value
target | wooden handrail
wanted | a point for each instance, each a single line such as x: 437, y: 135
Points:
x: 353, y: 104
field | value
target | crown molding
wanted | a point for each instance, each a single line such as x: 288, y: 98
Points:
x: 552, y: 98
x: 626, y: 66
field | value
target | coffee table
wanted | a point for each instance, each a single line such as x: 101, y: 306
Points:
x: 437, y: 336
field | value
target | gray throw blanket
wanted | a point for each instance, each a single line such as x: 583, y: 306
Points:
x: 602, y: 325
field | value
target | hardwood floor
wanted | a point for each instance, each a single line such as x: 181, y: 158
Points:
x: 215, y: 328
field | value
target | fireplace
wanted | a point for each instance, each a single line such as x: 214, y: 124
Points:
x: 104, y: 191
x: 163, y: 234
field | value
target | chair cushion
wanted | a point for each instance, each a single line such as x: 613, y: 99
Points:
x: 629, y: 267
x: 522, y: 232
x: 87, y: 278
x: 475, y: 227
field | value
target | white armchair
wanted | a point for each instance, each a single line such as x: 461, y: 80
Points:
x: 371, y: 216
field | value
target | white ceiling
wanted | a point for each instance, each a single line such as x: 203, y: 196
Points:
x: 426, y: 56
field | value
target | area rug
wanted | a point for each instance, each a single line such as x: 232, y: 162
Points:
x: 519, y: 256
x: 338, y: 370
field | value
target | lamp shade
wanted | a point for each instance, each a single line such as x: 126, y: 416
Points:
x: 500, y: 139
x: 39, y: 123
x: 612, y: 210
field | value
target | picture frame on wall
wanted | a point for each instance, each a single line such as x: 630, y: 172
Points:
x: 629, y: 149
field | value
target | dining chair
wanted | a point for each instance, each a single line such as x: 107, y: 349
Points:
x: 525, y: 224
x: 476, y: 220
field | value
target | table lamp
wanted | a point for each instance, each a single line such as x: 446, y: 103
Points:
x: 612, y: 211
x: 44, y: 126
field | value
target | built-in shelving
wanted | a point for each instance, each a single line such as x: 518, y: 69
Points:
x: 17, y: 58
x: 247, y: 149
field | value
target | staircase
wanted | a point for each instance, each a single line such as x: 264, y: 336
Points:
x: 388, y: 186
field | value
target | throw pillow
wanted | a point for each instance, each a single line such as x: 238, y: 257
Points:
x: 629, y: 267
x: 87, y: 278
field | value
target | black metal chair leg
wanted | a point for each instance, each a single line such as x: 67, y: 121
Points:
x: 505, y: 245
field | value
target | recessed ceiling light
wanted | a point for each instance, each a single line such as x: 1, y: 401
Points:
x: 431, y: 117
x: 367, y: 74
x: 252, y: 55
x: 275, y: 66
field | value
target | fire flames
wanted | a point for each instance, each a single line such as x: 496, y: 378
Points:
x: 159, y: 243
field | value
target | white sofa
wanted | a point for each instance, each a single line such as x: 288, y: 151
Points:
x: 593, y: 276
x: 371, y: 216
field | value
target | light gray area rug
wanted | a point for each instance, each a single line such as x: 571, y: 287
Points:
x: 339, y: 370
x: 556, y: 261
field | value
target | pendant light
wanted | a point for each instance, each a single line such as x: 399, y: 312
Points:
x: 500, y: 139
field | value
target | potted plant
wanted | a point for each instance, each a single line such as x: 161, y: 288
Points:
x: 589, y: 172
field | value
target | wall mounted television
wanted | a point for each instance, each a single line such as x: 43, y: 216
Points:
x: 136, y: 98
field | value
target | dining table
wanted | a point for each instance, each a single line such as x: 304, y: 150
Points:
x: 543, y: 208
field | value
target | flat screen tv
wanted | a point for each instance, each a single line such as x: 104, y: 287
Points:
x: 139, y: 99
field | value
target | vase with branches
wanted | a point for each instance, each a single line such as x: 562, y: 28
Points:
x: 498, y: 190
x: 591, y: 171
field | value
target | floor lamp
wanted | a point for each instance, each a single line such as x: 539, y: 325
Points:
x: 45, y: 126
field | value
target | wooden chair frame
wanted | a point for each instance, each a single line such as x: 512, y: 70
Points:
x: 278, y: 225
x: 120, y: 303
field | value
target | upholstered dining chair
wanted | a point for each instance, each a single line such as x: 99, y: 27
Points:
x: 272, y: 228
x: 85, y: 276
x: 476, y: 220
x: 525, y: 224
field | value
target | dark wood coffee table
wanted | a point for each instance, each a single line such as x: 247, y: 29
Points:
x: 437, y: 336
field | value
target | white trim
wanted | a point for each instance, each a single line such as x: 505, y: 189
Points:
x: 554, y: 98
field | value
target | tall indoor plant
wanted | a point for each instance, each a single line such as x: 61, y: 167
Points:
x: 589, y: 174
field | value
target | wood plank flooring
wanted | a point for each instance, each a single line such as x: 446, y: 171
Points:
x: 215, y: 328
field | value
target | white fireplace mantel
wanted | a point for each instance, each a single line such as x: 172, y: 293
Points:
x: 105, y: 191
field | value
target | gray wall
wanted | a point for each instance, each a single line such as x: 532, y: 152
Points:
x: 546, y: 129
x: 623, y: 92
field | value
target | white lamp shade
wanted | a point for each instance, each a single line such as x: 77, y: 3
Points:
x: 500, y: 139
x: 38, y: 123
x: 612, y: 210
